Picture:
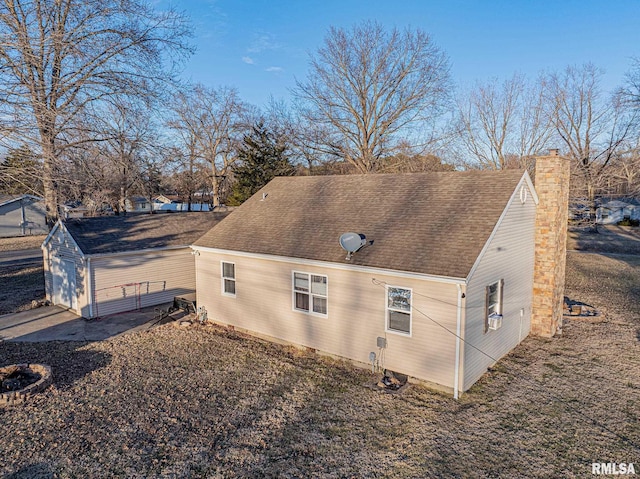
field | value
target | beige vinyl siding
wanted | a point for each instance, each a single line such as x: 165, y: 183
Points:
x: 509, y: 256
x: 63, y: 247
x: 356, y: 313
x: 131, y: 281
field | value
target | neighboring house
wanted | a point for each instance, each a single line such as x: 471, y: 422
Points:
x: 174, y: 203
x: 614, y: 210
x: 105, y: 265
x: 166, y: 199
x: 441, y: 289
x: 137, y: 204
x: 22, y: 215
x: 73, y: 209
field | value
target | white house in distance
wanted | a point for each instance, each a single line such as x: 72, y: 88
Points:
x: 110, y: 264
x: 174, y: 203
x: 22, y: 215
x: 615, y: 210
x: 447, y: 261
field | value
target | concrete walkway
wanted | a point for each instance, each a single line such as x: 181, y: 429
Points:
x: 52, y: 323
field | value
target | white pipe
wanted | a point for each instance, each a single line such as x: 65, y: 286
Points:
x: 89, y: 289
x: 458, y: 332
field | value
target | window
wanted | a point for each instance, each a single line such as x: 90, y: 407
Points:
x: 399, y: 310
x: 310, y: 293
x: 228, y: 278
x: 493, y: 301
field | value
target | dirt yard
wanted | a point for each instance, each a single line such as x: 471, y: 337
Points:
x: 207, y: 402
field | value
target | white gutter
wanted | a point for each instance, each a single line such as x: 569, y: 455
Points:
x: 339, y: 266
x: 456, y: 372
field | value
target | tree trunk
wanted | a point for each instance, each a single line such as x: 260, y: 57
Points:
x: 48, y: 181
x: 593, y: 207
x: 123, y: 200
x: 215, y: 187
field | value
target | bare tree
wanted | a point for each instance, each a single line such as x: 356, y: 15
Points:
x: 630, y: 92
x: 503, y: 125
x: 625, y: 172
x: 407, y: 160
x: 128, y: 140
x: 185, y: 150
x: 593, y: 127
x: 210, y: 123
x: 57, y: 57
x: 304, y: 140
x: 367, y: 86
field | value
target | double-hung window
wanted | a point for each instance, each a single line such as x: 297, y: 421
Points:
x: 228, y: 278
x: 493, y: 302
x: 399, y: 310
x: 310, y: 293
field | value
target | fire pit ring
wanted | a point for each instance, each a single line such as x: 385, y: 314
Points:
x: 41, y: 372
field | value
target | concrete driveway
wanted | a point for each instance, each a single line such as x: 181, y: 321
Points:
x: 52, y: 323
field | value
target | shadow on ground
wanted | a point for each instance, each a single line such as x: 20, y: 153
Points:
x: 70, y: 361
x: 609, y: 239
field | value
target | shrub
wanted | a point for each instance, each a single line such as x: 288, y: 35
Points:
x: 629, y: 222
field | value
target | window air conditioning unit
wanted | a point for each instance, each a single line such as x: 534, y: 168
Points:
x: 495, y: 321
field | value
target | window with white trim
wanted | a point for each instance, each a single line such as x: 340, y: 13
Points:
x: 493, y: 301
x: 310, y: 293
x: 399, y: 310
x: 228, y: 278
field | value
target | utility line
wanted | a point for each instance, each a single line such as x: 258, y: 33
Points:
x: 526, y: 378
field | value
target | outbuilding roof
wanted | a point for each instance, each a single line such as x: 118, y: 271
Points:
x: 116, y: 234
x: 6, y: 199
x: 430, y: 223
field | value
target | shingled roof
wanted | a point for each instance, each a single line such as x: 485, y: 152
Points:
x: 116, y: 234
x: 430, y: 223
x: 5, y: 199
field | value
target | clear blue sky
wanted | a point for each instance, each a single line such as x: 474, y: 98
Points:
x: 261, y: 46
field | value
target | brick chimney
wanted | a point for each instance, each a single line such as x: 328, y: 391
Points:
x: 552, y: 186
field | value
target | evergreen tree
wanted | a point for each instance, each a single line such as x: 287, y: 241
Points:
x: 21, y: 172
x: 261, y: 158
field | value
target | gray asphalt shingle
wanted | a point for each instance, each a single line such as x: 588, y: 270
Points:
x: 116, y: 234
x: 431, y: 223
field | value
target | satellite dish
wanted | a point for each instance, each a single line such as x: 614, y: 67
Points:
x: 352, y: 242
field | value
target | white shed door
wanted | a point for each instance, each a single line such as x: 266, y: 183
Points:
x: 64, y: 283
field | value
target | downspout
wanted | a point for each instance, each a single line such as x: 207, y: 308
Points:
x: 458, y: 332
x: 89, y: 288
x: 24, y: 218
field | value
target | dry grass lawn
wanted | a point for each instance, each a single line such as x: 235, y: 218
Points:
x: 20, y: 285
x: 22, y: 242
x: 207, y: 402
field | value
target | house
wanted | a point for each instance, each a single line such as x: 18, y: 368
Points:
x: 109, y: 264
x: 137, y: 204
x: 73, y: 209
x: 175, y: 203
x: 22, y: 215
x: 438, y: 285
x: 166, y: 199
x: 441, y: 283
x: 611, y: 211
